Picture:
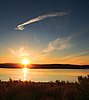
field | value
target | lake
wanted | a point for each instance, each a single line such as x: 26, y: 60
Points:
x: 42, y: 75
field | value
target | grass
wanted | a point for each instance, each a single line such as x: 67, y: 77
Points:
x: 19, y: 90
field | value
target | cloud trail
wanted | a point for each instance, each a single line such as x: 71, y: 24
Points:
x: 39, y: 18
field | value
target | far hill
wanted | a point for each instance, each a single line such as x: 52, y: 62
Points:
x: 45, y: 66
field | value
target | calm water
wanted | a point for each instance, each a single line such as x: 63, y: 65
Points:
x: 42, y: 74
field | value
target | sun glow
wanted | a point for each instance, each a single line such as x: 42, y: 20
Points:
x: 25, y: 61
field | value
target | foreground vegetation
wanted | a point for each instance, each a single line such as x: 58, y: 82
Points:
x: 18, y: 90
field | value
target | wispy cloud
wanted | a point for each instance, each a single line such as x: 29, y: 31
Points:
x: 80, y: 32
x: 36, y: 38
x: 40, y: 57
x: 79, y: 54
x: 58, y: 44
x: 77, y: 60
x: 19, y: 53
x: 80, y: 57
x: 53, y: 14
x: 81, y: 60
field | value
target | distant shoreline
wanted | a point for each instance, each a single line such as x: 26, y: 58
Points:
x: 45, y: 66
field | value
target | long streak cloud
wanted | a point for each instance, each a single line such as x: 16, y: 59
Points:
x: 39, y: 18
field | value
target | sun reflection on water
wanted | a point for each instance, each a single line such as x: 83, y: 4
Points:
x: 25, y: 73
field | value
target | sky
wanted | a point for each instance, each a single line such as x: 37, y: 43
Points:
x: 44, y: 31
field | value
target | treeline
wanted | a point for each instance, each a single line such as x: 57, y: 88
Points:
x: 58, y: 90
x: 44, y: 66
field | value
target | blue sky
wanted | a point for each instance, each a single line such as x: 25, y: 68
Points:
x: 59, y: 39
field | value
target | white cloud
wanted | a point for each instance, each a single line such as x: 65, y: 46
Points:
x: 58, y: 44
x: 21, y: 26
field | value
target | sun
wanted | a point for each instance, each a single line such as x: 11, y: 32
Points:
x: 25, y: 61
